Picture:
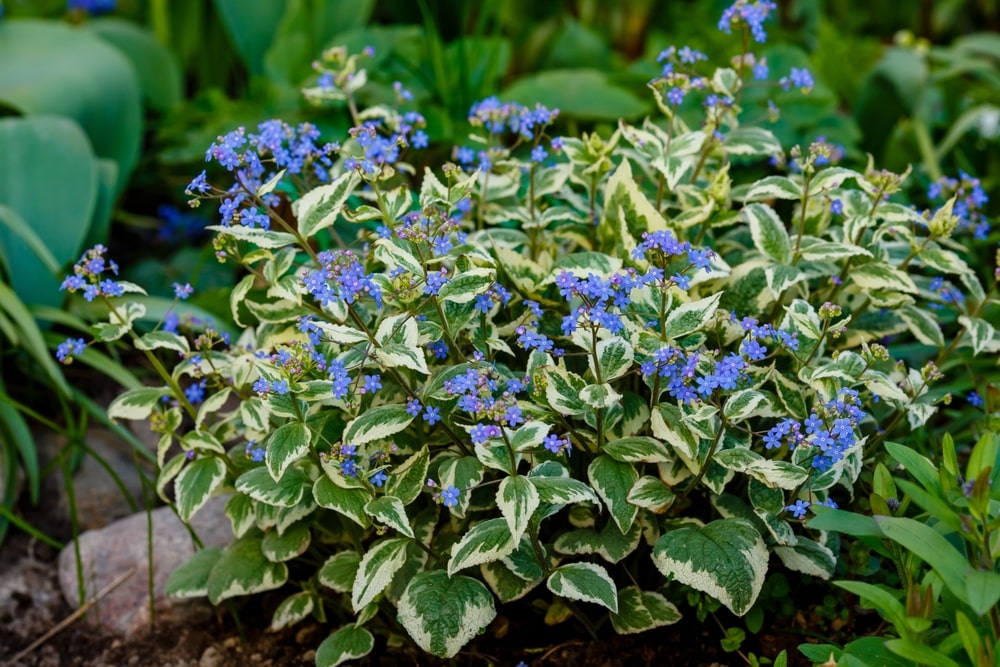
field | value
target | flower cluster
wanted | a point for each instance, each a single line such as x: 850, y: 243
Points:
x: 969, y: 205
x: 751, y: 13
x: 830, y: 429
x: 479, y: 395
x: 88, y: 276
x: 662, y: 247
x: 498, y: 117
x: 601, y: 297
x: 341, y: 276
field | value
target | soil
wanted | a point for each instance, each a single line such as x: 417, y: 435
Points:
x: 517, y: 635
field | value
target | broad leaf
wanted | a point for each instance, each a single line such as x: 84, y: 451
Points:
x: 196, y: 483
x: 640, y: 610
x: 242, y: 569
x: 348, y: 643
x: 376, y: 570
x: 377, y: 423
x: 588, y: 582
x: 517, y: 500
x: 443, y: 613
x: 487, y: 541
x: 613, y: 480
x: 284, y: 446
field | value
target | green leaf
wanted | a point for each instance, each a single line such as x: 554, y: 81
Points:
x: 752, y: 141
x: 690, y: 317
x: 768, y: 232
x: 348, y: 643
x: 652, y: 494
x: 743, y: 404
x: 408, y: 479
x: 320, y: 207
x: 29, y: 336
x: 34, y: 153
x: 640, y: 610
x: 563, y: 389
x: 259, y: 485
x: 614, y: 358
x: 349, y: 502
x: 875, y: 597
x: 582, y: 93
x: 259, y: 237
x: 563, y: 491
x: 279, y: 547
x: 933, y: 548
x: 190, y: 579
x: 600, y: 396
x: 922, y: 325
x: 827, y: 251
x: 848, y: 523
x: 982, y: 588
x: 339, y: 571
x: 464, y: 472
x: 980, y: 332
x: 243, y: 570
x: 726, y: 559
x: 105, y: 100
x: 920, y: 653
x: 487, y: 541
x: 507, y: 585
x: 289, y: 443
x: 517, y: 500
x: 155, y: 66
x: 808, y: 557
x: 774, y: 187
x: 377, y: 423
x: 443, y: 613
x: 610, y: 543
x: 919, y: 466
x: 292, y: 609
x: 389, y: 510
x: 376, y: 570
x: 613, y: 480
x: 781, y: 474
x: 638, y: 449
x: 588, y: 582
x: 196, y: 483
x: 251, y: 28
x: 465, y: 286
x: 881, y: 276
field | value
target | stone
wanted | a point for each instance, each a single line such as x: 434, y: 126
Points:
x: 113, y: 550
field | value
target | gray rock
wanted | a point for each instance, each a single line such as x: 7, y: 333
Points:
x: 109, y: 552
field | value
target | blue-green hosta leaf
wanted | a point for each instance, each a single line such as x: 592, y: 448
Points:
x: 279, y: 547
x: 563, y: 389
x: 600, y: 396
x: 753, y: 141
x: 242, y: 569
x: 690, y: 317
x: 487, y: 541
x: 774, y: 187
x: 190, y: 579
x: 136, y: 403
x: 196, y: 483
x: 443, y: 613
x: 980, y: 332
x: 292, y: 609
x: 613, y: 480
x: 507, y: 585
x: 517, y: 500
x: 588, y: 582
x: 922, y: 325
x: 348, y: 643
x: 640, y: 610
x: 614, y: 358
x: 289, y: 443
x: 376, y: 570
x: 652, y: 494
x: 781, y: 474
x: 259, y: 485
x: 408, y: 479
x: 768, y: 232
x: 320, y: 207
x: 349, y: 502
x: 377, y: 423
x: 256, y: 236
x: 743, y: 404
x: 339, y: 571
x: 463, y: 472
x: 467, y: 285
x: 638, y: 449
x: 726, y: 559
x: 881, y: 276
x: 808, y: 557
x: 389, y: 510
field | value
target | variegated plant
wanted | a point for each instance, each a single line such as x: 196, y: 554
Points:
x: 534, y: 374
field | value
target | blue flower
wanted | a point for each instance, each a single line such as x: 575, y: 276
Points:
x: 371, y: 384
x: 432, y: 415
x: 836, y: 207
x: 798, y: 510
x: 195, y: 393
x: 449, y: 496
x: 182, y: 292
x: 69, y: 348
x: 379, y: 478
x: 413, y: 407
x: 975, y: 399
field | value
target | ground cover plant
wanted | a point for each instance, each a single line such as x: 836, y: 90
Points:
x: 613, y: 373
